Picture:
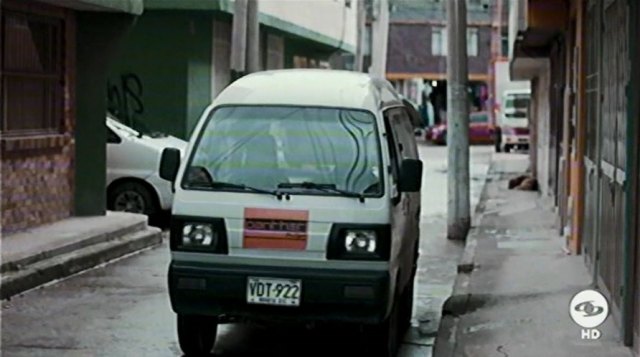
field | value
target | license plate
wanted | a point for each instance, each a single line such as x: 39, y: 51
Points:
x: 270, y: 291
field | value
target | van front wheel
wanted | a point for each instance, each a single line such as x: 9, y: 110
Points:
x: 383, y: 339
x: 406, y: 309
x: 196, y: 334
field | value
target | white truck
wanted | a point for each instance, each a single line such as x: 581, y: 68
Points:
x: 511, y: 110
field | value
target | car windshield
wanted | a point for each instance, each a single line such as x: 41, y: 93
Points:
x: 293, y: 149
x: 479, y: 118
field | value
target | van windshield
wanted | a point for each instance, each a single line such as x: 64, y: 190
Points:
x: 278, y: 148
x: 517, y: 101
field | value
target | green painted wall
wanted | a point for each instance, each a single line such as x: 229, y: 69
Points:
x: 199, y: 70
x: 161, y: 80
x: 296, y: 46
x: 97, y: 39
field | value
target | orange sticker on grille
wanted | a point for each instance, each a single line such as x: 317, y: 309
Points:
x: 275, y: 229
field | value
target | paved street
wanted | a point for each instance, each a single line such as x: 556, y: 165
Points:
x: 123, y: 309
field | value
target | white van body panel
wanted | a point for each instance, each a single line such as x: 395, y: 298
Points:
x: 323, y: 211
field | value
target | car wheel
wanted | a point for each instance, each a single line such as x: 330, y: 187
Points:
x: 132, y: 197
x: 507, y: 148
x: 197, y: 334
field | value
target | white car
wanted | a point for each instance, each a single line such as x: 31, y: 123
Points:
x: 133, y: 181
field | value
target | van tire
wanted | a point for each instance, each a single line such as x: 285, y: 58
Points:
x: 383, y: 341
x: 197, y: 334
x: 497, y: 140
x: 406, y: 309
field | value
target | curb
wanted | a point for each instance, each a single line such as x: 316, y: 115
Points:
x: 457, y: 303
x: 77, y: 261
x: 92, y: 239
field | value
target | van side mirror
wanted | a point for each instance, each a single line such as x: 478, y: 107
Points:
x: 410, y: 179
x: 169, y: 164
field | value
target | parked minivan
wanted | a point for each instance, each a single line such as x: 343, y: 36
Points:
x: 298, y: 200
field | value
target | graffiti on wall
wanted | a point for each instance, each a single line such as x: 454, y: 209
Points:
x: 124, y: 98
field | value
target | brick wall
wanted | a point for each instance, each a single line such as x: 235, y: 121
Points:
x: 37, y: 173
x: 410, y: 50
x: 37, y: 184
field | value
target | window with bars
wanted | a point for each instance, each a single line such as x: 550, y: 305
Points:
x: 32, y: 74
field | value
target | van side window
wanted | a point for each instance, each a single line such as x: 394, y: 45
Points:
x: 408, y: 137
x: 392, y: 143
x: 400, y: 121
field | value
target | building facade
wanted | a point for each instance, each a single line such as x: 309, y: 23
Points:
x: 417, y: 52
x: 166, y: 85
x: 583, y: 61
x: 53, y: 54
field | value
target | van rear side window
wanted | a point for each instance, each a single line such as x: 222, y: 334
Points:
x: 268, y: 147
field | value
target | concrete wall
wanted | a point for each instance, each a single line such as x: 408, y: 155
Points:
x: 162, y: 76
x: 313, y: 15
x: 98, y: 38
x: 540, y: 99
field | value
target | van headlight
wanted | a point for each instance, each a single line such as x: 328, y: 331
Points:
x: 359, y: 242
x: 207, y: 235
x: 199, y: 235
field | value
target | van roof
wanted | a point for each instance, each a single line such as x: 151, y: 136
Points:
x: 310, y: 87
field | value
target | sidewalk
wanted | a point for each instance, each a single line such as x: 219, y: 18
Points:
x: 514, y: 299
x: 40, y: 255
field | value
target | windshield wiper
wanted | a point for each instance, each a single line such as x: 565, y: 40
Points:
x: 326, y: 187
x: 220, y: 184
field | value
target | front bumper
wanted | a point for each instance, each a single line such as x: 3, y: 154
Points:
x: 221, y: 290
x: 516, y: 140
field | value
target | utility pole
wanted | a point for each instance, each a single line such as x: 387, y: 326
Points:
x: 458, y: 207
x: 362, y: 17
x: 380, y: 39
x: 239, y: 40
x: 253, y: 37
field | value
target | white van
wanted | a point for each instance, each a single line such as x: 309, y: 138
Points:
x: 513, y: 122
x: 298, y: 199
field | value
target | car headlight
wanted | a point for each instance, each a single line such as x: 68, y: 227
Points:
x: 198, y: 234
x: 359, y: 242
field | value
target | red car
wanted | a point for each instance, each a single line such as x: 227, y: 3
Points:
x: 480, y: 130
